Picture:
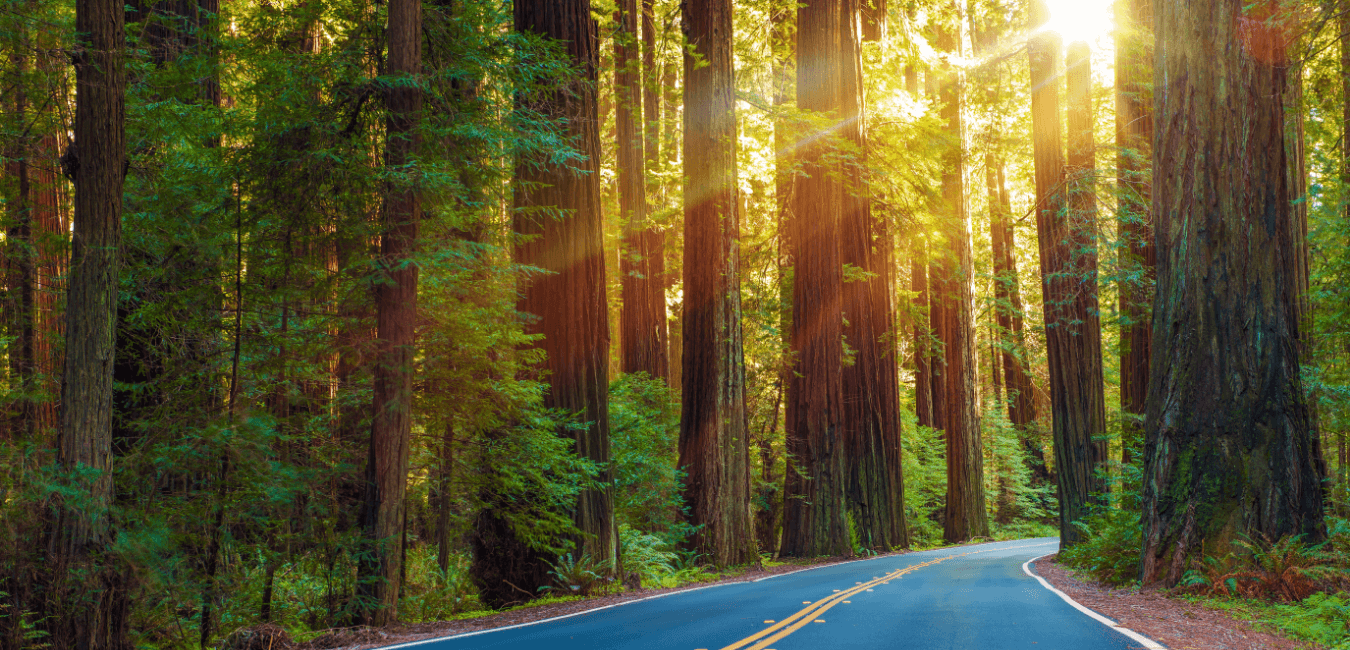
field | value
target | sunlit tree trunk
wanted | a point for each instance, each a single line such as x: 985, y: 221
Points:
x: 1229, y: 447
x: 557, y: 211
x: 1073, y: 401
x: 90, y: 590
x: 1134, y: 141
x: 814, y: 512
x: 871, y: 416
x: 1080, y: 178
x: 952, y: 304
x: 713, y: 441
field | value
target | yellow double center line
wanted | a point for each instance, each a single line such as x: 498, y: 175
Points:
x: 813, y: 611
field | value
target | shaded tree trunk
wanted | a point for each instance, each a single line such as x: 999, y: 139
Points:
x: 1008, y: 296
x: 91, y: 595
x: 1229, y: 448
x: 379, y: 571
x: 814, y: 512
x: 1134, y: 141
x: 953, y: 296
x: 870, y: 424
x: 713, y: 439
x: 1072, y: 402
x: 643, y: 319
x: 19, y: 268
x: 557, y: 211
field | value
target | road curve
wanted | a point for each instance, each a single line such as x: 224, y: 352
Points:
x: 965, y: 598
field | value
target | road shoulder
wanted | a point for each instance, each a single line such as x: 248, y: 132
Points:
x: 1177, y: 624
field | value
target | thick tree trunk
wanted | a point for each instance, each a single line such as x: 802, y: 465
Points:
x: 643, y: 318
x: 1134, y: 141
x: 1073, y: 398
x: 557, y: 211
x: 379, y: 571
x: 92, y: 593
x: 814, y: 515
x: 953, y: 296
x: 713, y: 441
x: 1229, y: 447
x: 1080, y: 179
x: 871, y: 415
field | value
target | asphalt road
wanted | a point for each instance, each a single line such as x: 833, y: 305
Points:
x: 967, y: 598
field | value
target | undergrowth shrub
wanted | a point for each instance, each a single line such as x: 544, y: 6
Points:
x: 1322, y: 618
x: 1113, y: 534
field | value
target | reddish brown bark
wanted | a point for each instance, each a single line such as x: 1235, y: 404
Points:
x: 1080, y: 176
x: 396, y: 317
x: 642, y: 322
x: 557, y: 214
x: 814, y: 512
x: 713, y: 441
x: 953, y: 296
x: 1229, y: 442
x: 1073, y: 403
x: 871, y: 418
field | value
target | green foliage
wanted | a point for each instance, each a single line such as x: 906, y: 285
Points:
x: 583, y: 576
x: 1113, y: 535
x: 644, y: 430
x: 433, y: 595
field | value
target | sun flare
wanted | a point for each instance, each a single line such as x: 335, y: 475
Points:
x: 1081, y: 20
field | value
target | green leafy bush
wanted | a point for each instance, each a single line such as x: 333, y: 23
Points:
x: 1322, y: 618
x: 1113, y: 535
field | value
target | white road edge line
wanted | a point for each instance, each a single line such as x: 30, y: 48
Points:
x: 1147, y: 642
x: 411, y: 644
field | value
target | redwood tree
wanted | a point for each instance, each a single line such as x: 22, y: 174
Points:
x: 713, y: 441
x: 1082, y: 224
x: 396, y: 317
x: 642, y: 339
x: 814, y: 511
x: 558, y: 221
x: 1229, y: 441
x: 952, y: 305
x: 1134, y: 139
x: 1074, y: 397
x: 871, y: 415
x: 91, y: 596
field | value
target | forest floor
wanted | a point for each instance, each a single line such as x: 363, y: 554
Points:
x: 1175, y: 623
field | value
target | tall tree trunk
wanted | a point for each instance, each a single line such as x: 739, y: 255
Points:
x: 814, y: 515
x: 1080, y: 179
x: 1229, y: 447
x: 1008, y: 295
x: 379, y: 571
x: 918, y: 283
x: 923, y: 354
x: 1134, y: 141
x: 871, y: 417
x: 953, y: 296
x: 19, y: 266
x: 643, y: 319
x: 557, y: 209
x: 92, y: 592
x: 1073, y: 405
x: 713, y: 439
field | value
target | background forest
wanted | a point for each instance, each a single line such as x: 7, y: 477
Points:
x: 421, y: 308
